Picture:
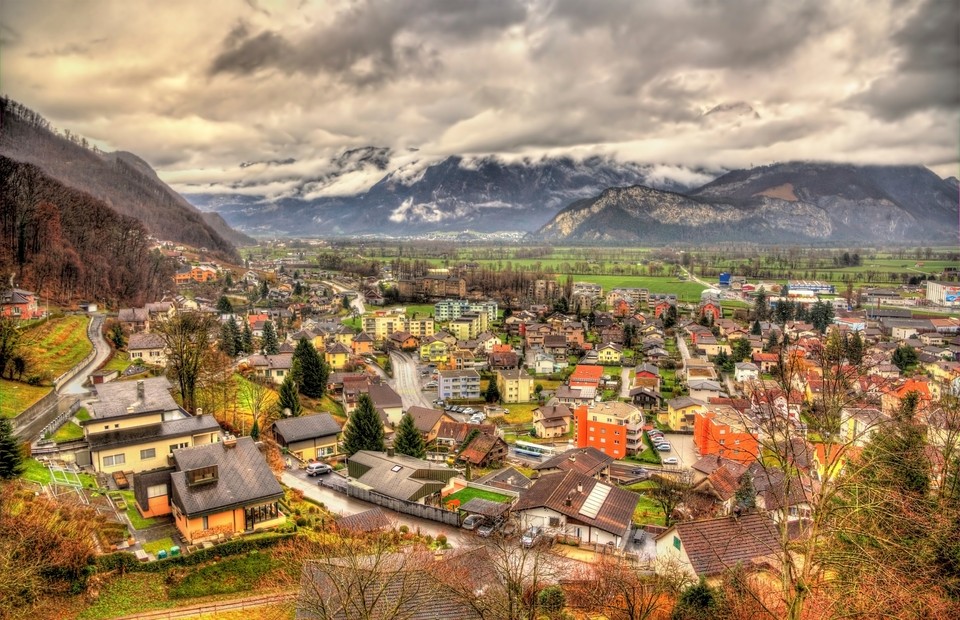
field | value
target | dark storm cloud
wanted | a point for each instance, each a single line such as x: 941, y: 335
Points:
x: 928, y: 75
x: 385, y: 37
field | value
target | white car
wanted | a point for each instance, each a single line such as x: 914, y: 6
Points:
x: 671, y: 461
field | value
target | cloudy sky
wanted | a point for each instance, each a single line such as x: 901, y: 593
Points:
x: 199, y: 88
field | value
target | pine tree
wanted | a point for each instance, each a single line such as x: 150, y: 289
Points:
x: 313, y: 367
x: 255, y: 430
x: 364, y: 430
x: 11, y: 454
x: 227, y: 344
x: 756, y: 330
x: 492, y: 394
x: 289, y: 398
x: 264, y: 290
x: 236, y: 335
x: 224, y: 306
x: 270, y: 344
x: 247, y: 337
x: 408, y: 439
x: 117, y: 337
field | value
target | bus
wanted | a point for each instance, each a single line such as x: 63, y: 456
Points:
x: 537, y: 450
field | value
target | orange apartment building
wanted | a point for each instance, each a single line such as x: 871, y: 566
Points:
x: 722, y: 431
x: 615, y: 428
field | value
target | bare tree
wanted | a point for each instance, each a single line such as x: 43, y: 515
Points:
x: 619, y: 590
x: 215, y: 382
x: 187, y: 336
x: 254, y: 393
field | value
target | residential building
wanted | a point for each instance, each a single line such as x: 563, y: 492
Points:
x: 17, y: 303
x: 573, y: 504
x: 428, y: 421
x: 147, y: 348
x: 399, y: 476
x: 434, y: 350
x: 681, y: 412
x: 451, y: 309
x: 552, y: 420
x: 458, y: 385
x: 362, y: 344
x: 610, y: 354
x: 746, y: 371
x: 614, y: 428
x: 380, y: 326
x: 484, y: 450
x: 723, y: 431
x: 134, y: 320
x: 587, y: 461
x: 337, y: 355
x: 273, y: 368
x: 214, y: 491
x: 515, y: 386
x: 709, y: 547
x: 134, y: 426
x: 308, y: 437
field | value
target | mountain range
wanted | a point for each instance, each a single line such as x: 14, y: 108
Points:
x: 123, y: 181
x: 797, y: 202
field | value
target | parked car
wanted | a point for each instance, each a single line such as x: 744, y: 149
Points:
x: 487, y: 529
x: 473, y: 521
x: 533, y: 536
x: 664, y: 447
x: 671, y: 461
x: 318, y: 469
x: 639, y: 471
x: 469, y: 410
x: 430, y: 385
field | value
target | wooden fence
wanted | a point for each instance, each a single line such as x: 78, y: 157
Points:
x: 212, y: 608
x: 410, y: 508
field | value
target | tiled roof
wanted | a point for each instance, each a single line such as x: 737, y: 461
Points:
x: 307, y: 427
x: 145, y: 341
x: 120, y: 398
x: 243, y: 478
x: 588, y: 461
x: 383, y: 396
x: 566, y: 493
x: 425, y: 418
x: 715, y: 545
x: 366, y: 521
x: 399, y: 476
x: 480, y: 448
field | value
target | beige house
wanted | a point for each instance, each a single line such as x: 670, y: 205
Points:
x: 308, y: 437
x: 135, y: 427
x: 515, y: 386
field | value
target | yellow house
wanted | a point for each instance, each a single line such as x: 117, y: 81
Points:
x: 436, y: 351
x: 682, y: 411
x: 135, y: 427
x: 308, y: 437
x: 337, y: 355
x: 214, y: 492
x: 610, y: 353
x: 344, y: 336
x: 362, y: 344
x: 515, y: 386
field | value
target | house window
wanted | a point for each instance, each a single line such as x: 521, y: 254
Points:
x: 157, y: 490
x: 676, y: 542
x: 114, y: 459
x: 554, y: 521
x: 206, y: 522
x: 177, y: 446
x: 149, y: 453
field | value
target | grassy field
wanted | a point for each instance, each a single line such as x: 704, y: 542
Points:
x: 16, y: 396
x: 119, y: 361
x: 68, y: 432
x: 688, y: 291
x: 520, y: 413
x: 38, y: 472
x: 465, y: 495
x: 59, y: 344
x: 136, y: 520
x: 156, y: 545
x: 648, y: 512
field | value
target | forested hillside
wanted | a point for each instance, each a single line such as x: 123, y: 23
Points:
x: 68, y: 245
x: 122, y: 180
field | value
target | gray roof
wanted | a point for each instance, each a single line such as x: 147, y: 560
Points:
x: 384, y: 396
x: 146, y: 341
x: 120, y: 398
x: 399, y: 476
x: 183, y: 427
x: 243, y: 478
x: 425, y: 418
x: 306, y: 427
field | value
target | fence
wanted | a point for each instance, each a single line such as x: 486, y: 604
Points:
x: 92, y: 329
x: 410, y: 508
x: 212, y: 608
x: 34, y: 411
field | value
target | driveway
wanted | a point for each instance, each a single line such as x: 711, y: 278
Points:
x: 625, y: 384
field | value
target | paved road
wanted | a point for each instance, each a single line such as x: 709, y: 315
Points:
x: 75, y: 385
x: 682, y: 347
x: 625, y: 383
x: 406, y: 381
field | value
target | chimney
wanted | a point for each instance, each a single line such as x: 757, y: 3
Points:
x: 140, y: 390
x: 390, y: 451
x: 567, y: 501
x: 229, y: 441
x: 199, y: 411
x: 579, y: 487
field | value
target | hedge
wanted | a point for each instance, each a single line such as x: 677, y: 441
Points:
x: 125, y: 561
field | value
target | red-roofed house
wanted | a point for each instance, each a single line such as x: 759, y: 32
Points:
x: 586, y: 375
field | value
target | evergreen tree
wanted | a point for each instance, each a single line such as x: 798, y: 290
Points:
x: 904, y: 356
x: 761, y: 309
x: 756, y: 329
x: 255, y: 430
x: 408, y: 440
x: 721, y: 360
x: 821, y: 316
x: 698, y: 602
x: 226, y: 342
x: 314, y: 368
x: 855, y: 348
x: 247, y: 338
x: 670, y: 317
x: 11, y: 454
x: 364, y: 429
x: 117, y: 336
x: 296, y: 373
x: 264, y: 290
x: 236, y: 335
x: 492, y: 394
x: 289, y: 398
x: 270, y: 344
x: 772, y: 342
x: 741, y: 350
x: 224, y: 306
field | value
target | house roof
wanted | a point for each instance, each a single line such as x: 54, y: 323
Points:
x: 281, y: 361
x: 480, y: 448
x: 588, y: 461
x: 306, y: 427
x: 243, y: 478
x: 485, y: 507
x: 425, y: 418
x: 133, y: 315
x: 383, y: 397
x: 555, y: 411
x: 715, y: 545
x: 145, y: 341
x: 509, y: 478
x: 458, y: 431
x: 399, y: 476
x: 121, y: 398
x: 147, y: 433
x: 366, y: 521
x: 609, y: 508
x: 683, y: 402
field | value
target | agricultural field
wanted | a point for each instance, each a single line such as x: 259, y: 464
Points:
x: 57, y: 345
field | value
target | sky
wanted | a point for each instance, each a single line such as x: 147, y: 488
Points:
x: 249, y: 96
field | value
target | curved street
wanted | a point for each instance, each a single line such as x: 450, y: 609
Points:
x: 102, y: 347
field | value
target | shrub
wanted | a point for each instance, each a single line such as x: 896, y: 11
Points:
x: 404, y: 529
x: 442, y: 540
x: 301, y: 521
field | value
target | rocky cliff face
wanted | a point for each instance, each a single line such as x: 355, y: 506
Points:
x: 796, y: 202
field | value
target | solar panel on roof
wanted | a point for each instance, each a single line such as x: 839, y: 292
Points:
x: 591, y: 506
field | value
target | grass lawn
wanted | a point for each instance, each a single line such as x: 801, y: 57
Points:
x: 59, y: 344
x: 138, y: 522
x: 82, y: 414
x: 129, y: 594
x: 684, y: 290
x: 15, y: 397
x: 156, y: 545
x: 520, y: 413
x: 37, y: 472
x: 465, y: 495
x: 648, y: 511
x: 68, y: 432
x: 119, y: 361
x: 228, y: 576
